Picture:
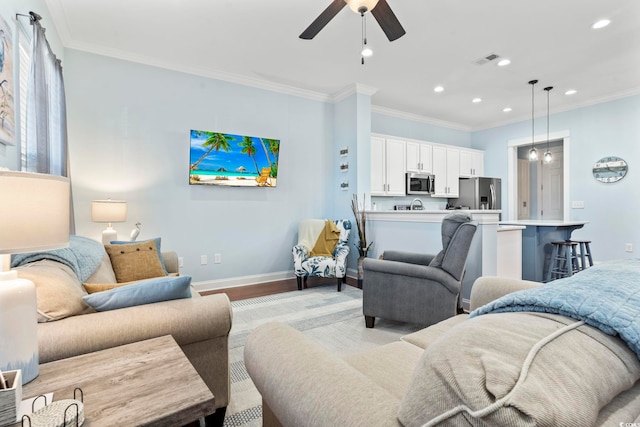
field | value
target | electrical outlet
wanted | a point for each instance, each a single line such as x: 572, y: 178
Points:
x: 217, y: 259
x: 180, y: 262
x: 203, y: 260
x: 628, y: 247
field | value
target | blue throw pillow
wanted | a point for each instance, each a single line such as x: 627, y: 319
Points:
x: 142, y: 292
x: 157, y: 240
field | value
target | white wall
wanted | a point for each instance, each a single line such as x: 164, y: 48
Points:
x: 129, y: 139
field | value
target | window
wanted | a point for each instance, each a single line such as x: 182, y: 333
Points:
x: 24, y: 62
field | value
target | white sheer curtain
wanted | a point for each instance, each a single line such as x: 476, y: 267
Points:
x: 46, y: 130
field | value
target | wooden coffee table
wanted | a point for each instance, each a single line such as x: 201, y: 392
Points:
x: 145, y: 383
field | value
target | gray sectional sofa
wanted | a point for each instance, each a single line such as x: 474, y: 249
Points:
x: 506, y: 369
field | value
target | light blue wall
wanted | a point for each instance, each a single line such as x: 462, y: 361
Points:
x: 606, y: 129
x: 129, y: 139
x: 128, y: 132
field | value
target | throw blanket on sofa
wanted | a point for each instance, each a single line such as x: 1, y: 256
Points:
x: 83, y: 256
x: 606, y: 296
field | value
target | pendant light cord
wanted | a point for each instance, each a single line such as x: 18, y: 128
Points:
x: 547, y: 155
x: 532, y: 152
x: 364, y: 34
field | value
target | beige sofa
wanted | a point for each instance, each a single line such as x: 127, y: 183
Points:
x: 490, y: 370
x: 200, y: 325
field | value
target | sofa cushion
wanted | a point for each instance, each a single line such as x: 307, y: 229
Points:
x: 92, y: 288
x: 135, y: 261
x: 142, y: 292
x: 424, y: 337
x: 58, y: 290
x: 104, y: 273
x: 157, y: 241
x: 477, y: 365
x: 390, y: 366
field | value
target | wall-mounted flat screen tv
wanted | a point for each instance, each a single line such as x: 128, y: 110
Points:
x: 225, y: 159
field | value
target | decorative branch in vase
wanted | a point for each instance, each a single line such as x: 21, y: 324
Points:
x: 361, y: 223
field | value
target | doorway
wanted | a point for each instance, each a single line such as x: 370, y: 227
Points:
x: 540, y: 184
x: 537, y: 190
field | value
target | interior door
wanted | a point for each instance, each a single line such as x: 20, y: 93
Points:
x: 524, y: 195
x: 552, y: 194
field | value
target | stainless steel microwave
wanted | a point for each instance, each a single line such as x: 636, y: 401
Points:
x: 420, y: 183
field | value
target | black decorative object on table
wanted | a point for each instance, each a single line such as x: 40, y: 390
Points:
x: 362, y: 245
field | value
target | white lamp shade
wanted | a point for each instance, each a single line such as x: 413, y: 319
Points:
x: 108, y: 211
x: 34, y: 212
x: 34, y: 216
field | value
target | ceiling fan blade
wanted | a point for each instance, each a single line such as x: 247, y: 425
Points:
x: 388, y: 21
x: 322, y: 20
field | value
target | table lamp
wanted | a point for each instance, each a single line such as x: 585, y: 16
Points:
x: 34, y: 216
x: 109, y: 211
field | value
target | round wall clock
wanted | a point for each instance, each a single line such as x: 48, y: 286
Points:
x: 609, y: 169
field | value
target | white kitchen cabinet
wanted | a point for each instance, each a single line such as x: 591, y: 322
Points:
x: 446, y: 168
x: 471, y: 163
x: 419, y: 157
x: 388, y: 162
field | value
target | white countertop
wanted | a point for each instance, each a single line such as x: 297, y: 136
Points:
x: 511, y: 227
x: 543, y: 222
x: 483, y: 216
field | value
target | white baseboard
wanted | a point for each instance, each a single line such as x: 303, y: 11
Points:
x: 235, y: 282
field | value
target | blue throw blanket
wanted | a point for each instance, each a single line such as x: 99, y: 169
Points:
x: 606, y: 296
x: 83, y: 256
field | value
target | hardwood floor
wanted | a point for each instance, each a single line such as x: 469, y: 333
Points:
x: 270, y: 288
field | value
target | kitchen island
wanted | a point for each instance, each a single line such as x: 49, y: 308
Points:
x: 420, y: 231
x: 536, y: 243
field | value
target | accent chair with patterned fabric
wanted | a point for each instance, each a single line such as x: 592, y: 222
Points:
x: 322, y: 250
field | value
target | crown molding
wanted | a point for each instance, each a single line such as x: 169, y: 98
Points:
x: 586, y: 103
x: 418, y: 118
x: 353, y: 89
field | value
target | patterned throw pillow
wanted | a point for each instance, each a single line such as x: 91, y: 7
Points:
x: 135, y: 261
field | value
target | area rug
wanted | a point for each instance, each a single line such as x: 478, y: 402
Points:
x: 333, y: 319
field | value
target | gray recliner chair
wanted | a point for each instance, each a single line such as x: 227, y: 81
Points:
x: 419, y: 288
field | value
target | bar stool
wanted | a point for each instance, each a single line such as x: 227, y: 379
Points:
x: 564, y: 260
x: 585, y: 251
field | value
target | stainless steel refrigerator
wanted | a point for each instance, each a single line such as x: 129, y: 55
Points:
x: 479, y: 193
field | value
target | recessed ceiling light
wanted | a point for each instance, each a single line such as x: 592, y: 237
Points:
x: 601, y: 24
x: 506, y: 109
x: 570, y: 92
x: 366, y: 52
x: 476, y: 100
x: 438, y: 89
x: 504, y: 62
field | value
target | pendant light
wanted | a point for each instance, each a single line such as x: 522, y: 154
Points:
x: 366, y: 50
x: 547, y: 154
x: 533, y: 153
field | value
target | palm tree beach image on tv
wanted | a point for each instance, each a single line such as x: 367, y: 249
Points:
x: 233, y: 160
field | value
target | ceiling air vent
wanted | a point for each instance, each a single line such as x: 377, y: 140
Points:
x: 486, y: 59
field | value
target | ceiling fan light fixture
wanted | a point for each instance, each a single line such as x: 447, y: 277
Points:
x: 357, y: 5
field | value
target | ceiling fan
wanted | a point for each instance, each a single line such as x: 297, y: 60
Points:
x: 379, y: 9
